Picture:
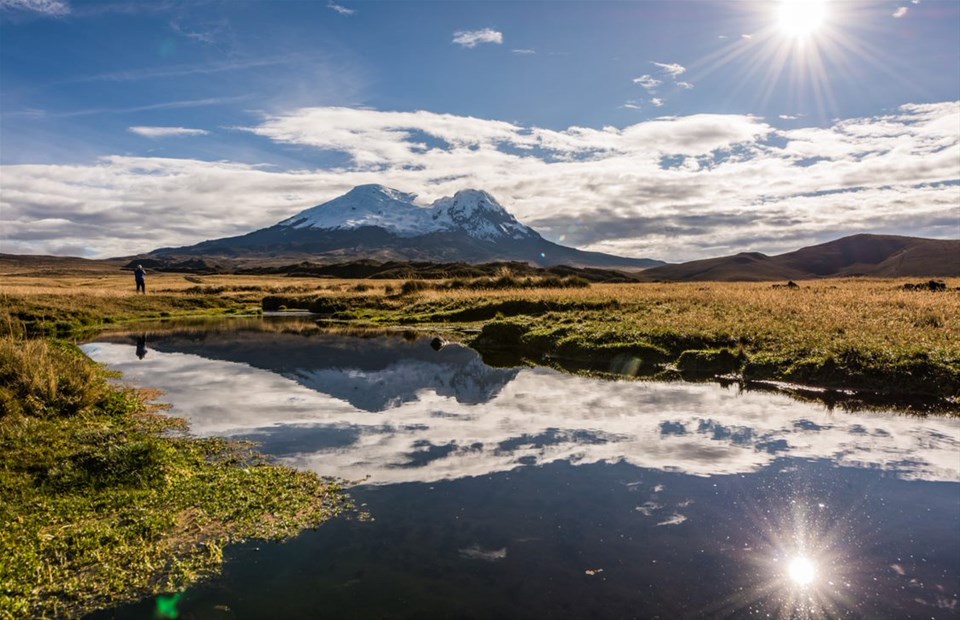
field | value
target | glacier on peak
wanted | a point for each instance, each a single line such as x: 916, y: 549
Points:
x: 472, y: 211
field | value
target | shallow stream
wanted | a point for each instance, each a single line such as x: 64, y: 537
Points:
x: 533, y: 493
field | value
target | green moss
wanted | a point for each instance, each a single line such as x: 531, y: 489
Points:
x: 99, y: 503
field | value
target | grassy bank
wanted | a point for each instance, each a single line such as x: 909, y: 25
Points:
x: 848, y: 334
x: 869, y: 334
x: 99, y: 503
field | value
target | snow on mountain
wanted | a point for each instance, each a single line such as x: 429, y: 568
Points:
x: 479, y: 214
x: 472, y: 211
x: 366, y: 205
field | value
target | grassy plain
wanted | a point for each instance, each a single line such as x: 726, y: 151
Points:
x: 99, y: 504
x: 858, y: 333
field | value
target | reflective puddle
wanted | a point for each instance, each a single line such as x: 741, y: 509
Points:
x: 527, y: 492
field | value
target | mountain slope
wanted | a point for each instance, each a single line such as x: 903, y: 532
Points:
x: 376, y: 222
x: 857, y: 255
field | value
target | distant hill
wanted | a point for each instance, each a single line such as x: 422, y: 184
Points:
x: 378, y: 223
x: 887, y: 256
x: 40, y: 265
x: 881, y: 256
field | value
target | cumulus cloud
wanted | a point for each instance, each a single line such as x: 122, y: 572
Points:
x: 647, y: 81
x: 166, y: 132
x: 901, y: 12
x: 673, y: 69
x: 342, y: 10
x: 676, y: 187
x: 657, y: 101
x: 685, y: 85
x: 473, y: 38
x: 46, y: 7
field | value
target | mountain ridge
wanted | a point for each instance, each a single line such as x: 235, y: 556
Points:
x: 376, y: 222
x: 884, y: 256
x: 862, y: 254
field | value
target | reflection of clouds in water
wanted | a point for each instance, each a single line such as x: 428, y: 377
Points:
x: 475, y: 552
x: 539, y: 417
x: 674, y: 519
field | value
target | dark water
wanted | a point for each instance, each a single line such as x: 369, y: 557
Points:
x: 529, y: 493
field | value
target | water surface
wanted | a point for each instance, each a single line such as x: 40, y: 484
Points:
x: 527, y: 492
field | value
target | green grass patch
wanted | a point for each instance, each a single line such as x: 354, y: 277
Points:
x: 100, y: 504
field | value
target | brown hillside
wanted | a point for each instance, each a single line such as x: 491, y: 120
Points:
x: 857, y: 255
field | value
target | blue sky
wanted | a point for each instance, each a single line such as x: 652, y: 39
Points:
x: 673, y: 130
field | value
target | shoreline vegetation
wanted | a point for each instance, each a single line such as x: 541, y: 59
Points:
x: 887, y: 336
x: 103, y: 499
x: 102, y: 502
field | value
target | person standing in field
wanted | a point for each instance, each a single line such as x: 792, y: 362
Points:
x: 140, y: 275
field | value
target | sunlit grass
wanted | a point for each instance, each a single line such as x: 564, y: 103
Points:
x: 100, y: 504
x: 856, y: 333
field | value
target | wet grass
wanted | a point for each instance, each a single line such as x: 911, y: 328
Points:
x: 103, y: 500
x: 845, y: 334
x: 869, y: 334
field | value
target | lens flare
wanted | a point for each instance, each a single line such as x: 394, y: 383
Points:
x: 801, y: 571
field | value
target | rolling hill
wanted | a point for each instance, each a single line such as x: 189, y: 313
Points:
x: 886, y: 256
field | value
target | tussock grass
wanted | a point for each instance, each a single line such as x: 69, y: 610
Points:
x: 868, y: 333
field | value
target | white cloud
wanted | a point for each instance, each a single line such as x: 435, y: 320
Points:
x: 342, y: 10
x: 673, y: 69
x: 166, y: 132
x: 523, y: 52
x: 657, y: 101
x: 633, y: 104
x: 47, y: 7
x: 788, y: 117
x: 901, y: 12
x: 685, y: 85
x: 746, y: 36
x: 675, y: 188
x: 647, y: 81
x: 473, y: 38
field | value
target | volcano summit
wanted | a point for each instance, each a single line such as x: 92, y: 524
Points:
x: 376, y: 222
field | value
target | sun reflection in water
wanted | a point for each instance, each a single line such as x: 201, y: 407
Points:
x: 798, y: 559
x: 801, y: 571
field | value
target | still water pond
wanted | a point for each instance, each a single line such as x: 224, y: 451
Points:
x: 531, y: 493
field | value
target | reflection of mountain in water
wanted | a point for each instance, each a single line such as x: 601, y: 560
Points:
x: 398, y: 411
x: 371, y: 373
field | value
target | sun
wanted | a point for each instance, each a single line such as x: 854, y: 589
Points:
x: 799, y: 19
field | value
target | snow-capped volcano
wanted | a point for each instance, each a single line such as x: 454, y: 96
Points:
x: 474, y: 212
x: 376, y: 222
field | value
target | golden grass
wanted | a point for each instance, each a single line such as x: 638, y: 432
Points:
x: 122, y: 285
x: 875, y: 310
x: 852, y: 323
